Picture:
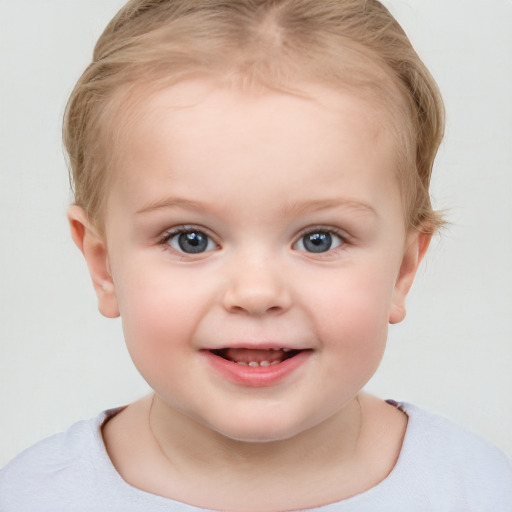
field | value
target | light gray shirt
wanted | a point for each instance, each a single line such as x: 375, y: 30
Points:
x: 441, y: 468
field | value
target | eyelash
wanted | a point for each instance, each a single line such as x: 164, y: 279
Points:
x: 165, y: 240
x: 341, y: 235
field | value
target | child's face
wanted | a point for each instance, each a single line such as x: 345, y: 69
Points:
x: 240, y: 224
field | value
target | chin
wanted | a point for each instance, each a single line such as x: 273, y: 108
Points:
x: 251, y: 430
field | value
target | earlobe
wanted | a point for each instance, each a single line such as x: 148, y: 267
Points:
x: 93, y: 247
x: 416, y: 246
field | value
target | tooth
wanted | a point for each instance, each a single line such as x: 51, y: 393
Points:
x: 287, y: 349
x: 253, y: 363
x: 264, y: 363
x: 243, y: 363
x: 274, y: 362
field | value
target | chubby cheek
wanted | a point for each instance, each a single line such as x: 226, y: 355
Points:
x: 159, y: 320
x: 352, y: 322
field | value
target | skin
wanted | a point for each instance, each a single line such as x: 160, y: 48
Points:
x: 255, y: 172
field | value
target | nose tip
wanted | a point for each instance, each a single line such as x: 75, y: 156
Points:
x: 257, y: 292
x: 256, y: 305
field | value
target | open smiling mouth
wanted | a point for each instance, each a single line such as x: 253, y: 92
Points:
x: 256, y: 358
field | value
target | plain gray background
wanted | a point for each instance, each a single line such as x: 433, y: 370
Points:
x: 60, y: 361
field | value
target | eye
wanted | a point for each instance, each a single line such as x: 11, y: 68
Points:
x: 190, y: 241
x: 318, y: 241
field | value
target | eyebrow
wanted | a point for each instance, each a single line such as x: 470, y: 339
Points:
x: 171, y: 202
x: 296, y: 208
x: 315, y: 205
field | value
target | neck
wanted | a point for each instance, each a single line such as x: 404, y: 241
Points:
x: 160, y: 450
x: 307, y: 459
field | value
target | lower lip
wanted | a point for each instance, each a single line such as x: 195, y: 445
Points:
x: 260, y: 376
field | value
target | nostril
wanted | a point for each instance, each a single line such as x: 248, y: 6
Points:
x: 257, y: 311
x: 255, y: 294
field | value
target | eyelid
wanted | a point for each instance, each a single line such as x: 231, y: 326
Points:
x: 326, y: 229
x: 342, y: 235
x: 170, y: 233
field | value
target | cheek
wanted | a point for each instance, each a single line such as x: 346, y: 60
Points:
x: 158, y: 335
x: 356, y: 295
x: 351, y: 310
x: 353, y: 331
x: 159, y: 318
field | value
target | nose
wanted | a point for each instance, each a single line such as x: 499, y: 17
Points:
x: 256, y: 286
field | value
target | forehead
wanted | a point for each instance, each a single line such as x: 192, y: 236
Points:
x: 133, y: 102
x: 208, y: 109
x: 197, y: 137
x: 206, y: 104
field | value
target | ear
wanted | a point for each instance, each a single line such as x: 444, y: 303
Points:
x: 415, y: 248
x: 94, y: 249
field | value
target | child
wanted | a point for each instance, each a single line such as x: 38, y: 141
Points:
x: 251, y: 197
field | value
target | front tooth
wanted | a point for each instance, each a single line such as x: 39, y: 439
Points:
x: 274, y: 362
x: 264, y: 363
x: 254, y: 363
x: 243, y: 363
x: 287, y: 349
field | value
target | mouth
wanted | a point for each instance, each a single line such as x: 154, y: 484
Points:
x: 256, y: 358
x: 257, y: 367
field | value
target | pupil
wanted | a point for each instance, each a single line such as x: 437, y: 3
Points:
x: 318, y: 242
x: 193, y: 242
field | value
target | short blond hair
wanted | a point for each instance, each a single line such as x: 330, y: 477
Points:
x: 350, y: 43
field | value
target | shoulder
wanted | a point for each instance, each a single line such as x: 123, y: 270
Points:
x: 435, y: 435
x: 452, y: 461
x: 55, y: 469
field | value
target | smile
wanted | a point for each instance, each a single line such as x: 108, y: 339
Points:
x: 256, y: 367
x: 256, y: 357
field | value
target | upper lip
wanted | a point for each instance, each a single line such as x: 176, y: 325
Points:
x: 256, y: 346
